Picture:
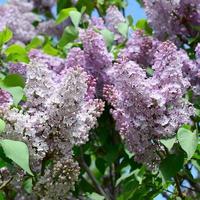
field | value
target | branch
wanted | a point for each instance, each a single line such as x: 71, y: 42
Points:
x: 92, y: 177
x: 178, y: 187
x: 6, y: 183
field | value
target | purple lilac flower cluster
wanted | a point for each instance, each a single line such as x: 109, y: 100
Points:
x: 173, y: 20
x: 18, y: 16
x: 147, y: 109
x: 95, y: 55
x: 59, y: 113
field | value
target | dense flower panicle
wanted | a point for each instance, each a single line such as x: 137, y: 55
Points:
x: 91, y: 91
x: 97, y: 57
x: 44, y: 3
x: 112, y: 19
x: 198, y: 51
x: 54, y: 63
x: 5, y: 100
x: 95, y: 50
x: 168, y: 55
x: 98, y: 23
x: 75, y: 58
x: 170, y: 19
x: 140, y: 48
x: 18, y: 17
x: 58, y: 114
x: 191, y: 70
x: 195, y: 71
x: 23, y: 6
x: 49, y: 27
x: 148, y: 109
x: 63, y: 172
x: 17, y: 68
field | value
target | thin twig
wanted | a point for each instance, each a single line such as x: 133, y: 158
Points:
x: 188, y: 188
x: 6, y: 183
x: 112, y: 180
x: 178, y: 187
x: 92, y: 177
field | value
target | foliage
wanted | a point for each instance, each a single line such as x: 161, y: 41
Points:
x: 89, y: 52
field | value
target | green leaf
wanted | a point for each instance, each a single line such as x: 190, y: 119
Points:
x: 101, y: 165
x: 15, y: 48
x: 171, y: 165
x: 123, y: 29
x: 2, y: 125
x: 2, y: 195
x: 83, y: 9
x: 168, y: 143
x: 142, y: 24
x: 17, y: 94
x: 89, y: 5
x: 14, y: 80
x: 64, y: 14
x: 35, y: 43
x: 28, y: 185
x: 130, y: 20
x: 69, y: 35
x: 129, y: 188
x: 5, y: 36
x: 100, y: 2
x: 197, y: 28
x: 15, y: 57
x: 95, y: 196
x: 188, y: 141
x: 124, y: 177
x: 17, y: 152
x: 16, y: 53
x: 108, y: 37
x: 50, y: 50
x: 149, y: 71
x: 63, y: 4
x: 75, y: 17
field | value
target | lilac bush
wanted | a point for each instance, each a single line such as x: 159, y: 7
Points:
x: 99, y: 107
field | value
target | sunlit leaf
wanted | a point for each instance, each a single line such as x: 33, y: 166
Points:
x: 17, y: 152
x: 75, y: 17
x: 2, y: 125
x: 5, y: 36
x: 64, y: 14
x: 123, y: 29
x: 188, y: 141
x: 28, y: 185
x: 168, y: 143
x: 108, y: 37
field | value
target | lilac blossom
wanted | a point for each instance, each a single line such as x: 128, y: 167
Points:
x: 17, y: 68
x: 140, y: 48
x: 173, y: 19
x: 97, y: 57
x: 58, y: 114
x: 112, y: 19
x: 147, y: 109
x: 17, y: 16
x: 5, y: 100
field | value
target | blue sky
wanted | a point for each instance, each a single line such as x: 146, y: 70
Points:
x: 135, y: 10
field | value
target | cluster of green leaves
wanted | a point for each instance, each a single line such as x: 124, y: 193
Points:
x: 115, y: 170
x: 12, y: 153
